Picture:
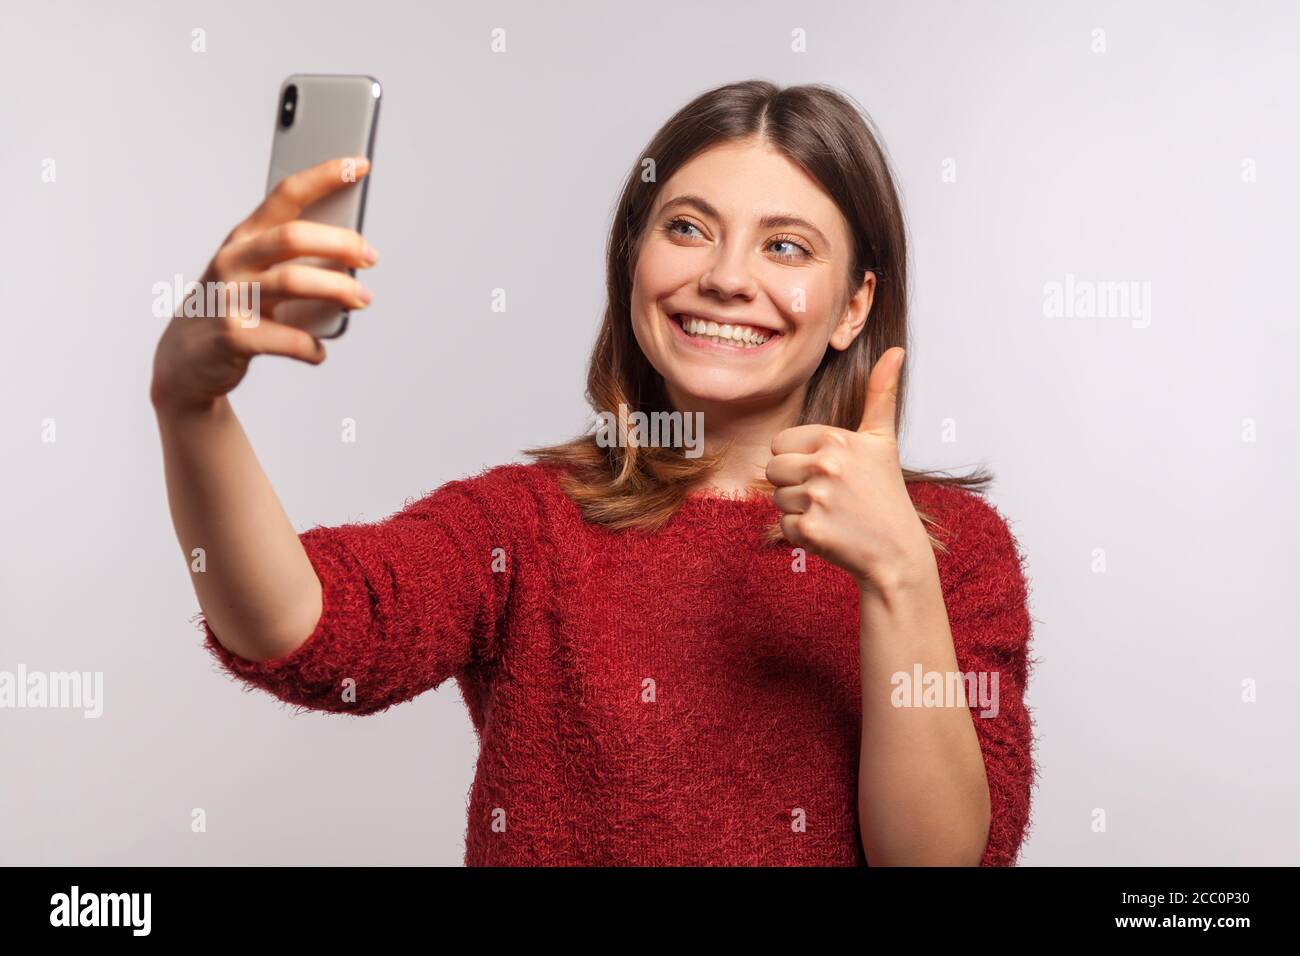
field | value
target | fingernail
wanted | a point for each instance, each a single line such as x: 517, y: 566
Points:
x: 364, y: 294
x: 370, y: 254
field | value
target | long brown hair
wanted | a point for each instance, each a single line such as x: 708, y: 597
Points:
x: 831, y: 137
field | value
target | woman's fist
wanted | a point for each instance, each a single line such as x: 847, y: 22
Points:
x: 841, y: 493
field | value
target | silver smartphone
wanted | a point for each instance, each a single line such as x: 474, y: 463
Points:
x: 320, y: 117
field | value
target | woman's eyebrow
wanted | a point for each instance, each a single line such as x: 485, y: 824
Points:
x: 772, y: 220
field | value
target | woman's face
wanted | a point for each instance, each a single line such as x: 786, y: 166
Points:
x: 739, y: 286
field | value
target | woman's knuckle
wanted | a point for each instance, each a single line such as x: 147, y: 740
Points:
x: 790, y: 528
x: 293, y: 234
x: 828, y: 465
x: 287, y: 189
x: 230, y: 333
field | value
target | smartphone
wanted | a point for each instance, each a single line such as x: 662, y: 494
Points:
x: 320, y: 117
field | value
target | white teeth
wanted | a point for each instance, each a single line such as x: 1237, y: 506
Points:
x: 743, y: 335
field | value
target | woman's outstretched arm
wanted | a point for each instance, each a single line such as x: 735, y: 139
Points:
x: 255, y: 584
x: 253, y: 578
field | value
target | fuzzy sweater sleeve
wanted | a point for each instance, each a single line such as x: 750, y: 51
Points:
x: 986, y: 593
x: 407, y: 602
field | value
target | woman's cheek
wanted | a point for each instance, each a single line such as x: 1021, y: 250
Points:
x: 802, y: 302
x: 642, y: 332
x: 805, y: 312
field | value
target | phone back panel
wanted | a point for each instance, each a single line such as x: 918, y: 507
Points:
x: 334, y: 116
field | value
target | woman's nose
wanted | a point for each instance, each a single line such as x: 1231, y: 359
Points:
x: 729, y: 273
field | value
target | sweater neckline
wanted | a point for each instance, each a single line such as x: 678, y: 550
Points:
x: 747, y: 501
x: 739, y: 513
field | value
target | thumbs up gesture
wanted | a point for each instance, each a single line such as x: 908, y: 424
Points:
x: 841, y: 493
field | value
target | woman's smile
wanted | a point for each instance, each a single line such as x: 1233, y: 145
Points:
x: 709, y: 332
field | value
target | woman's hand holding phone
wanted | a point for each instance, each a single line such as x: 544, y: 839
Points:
x: 200, y: 359
x: 258, y: 589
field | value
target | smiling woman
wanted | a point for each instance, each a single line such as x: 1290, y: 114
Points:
x: 740, y: 282
x: 669, y: 658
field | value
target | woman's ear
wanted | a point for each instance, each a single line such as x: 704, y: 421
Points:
x: 854, y: 318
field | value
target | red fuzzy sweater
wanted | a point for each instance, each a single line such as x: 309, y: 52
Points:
x: 681, y: 698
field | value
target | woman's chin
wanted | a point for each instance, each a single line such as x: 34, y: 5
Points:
x: 706, y: 394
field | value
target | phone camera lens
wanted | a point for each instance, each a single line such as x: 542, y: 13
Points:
x: 288, y: 105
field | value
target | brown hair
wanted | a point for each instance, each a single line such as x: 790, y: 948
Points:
x: 829, y: 136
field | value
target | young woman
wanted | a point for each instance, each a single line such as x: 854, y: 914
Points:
x: 786, y: 650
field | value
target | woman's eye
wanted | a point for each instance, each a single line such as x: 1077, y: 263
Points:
x: 794, y: 250
x: 672, y: 224
x: 797, y: 250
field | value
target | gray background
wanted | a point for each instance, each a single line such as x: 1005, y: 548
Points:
x: 501, y: 171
